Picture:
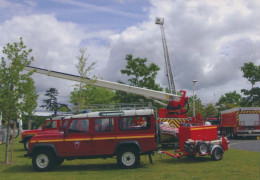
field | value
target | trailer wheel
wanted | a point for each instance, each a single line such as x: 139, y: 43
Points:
x: 202, y: 148
x: 217, y: 154
x: 128, y: 158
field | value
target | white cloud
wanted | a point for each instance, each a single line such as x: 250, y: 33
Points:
x: 207, y: 40
x: 55, y: 46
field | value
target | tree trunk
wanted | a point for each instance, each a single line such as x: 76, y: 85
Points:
x: 7, y: 142
x: 13, y: 137
x: 29, y: 124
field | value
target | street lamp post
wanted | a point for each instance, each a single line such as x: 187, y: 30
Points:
x: 193, y: 83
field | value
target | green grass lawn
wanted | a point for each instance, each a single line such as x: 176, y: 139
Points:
x: 236, y: 164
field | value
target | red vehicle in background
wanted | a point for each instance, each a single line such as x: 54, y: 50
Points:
x: 49, y: 125
x: 241, y: 121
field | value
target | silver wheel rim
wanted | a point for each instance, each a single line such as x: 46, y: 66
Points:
x: 27, y: 144
x: 128, y: 158
x: 203, y: 148
x: 217, y: 154
x: 42, y: 160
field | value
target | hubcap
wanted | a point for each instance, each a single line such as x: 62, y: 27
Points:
x: 27, y: 144
x: 42, y: 160
x: 217, y: 154
x: 203, y: 149
x: 128, y: 158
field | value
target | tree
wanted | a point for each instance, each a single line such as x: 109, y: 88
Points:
x: 92, y: 95
x: 199, y: 108
x: 51, y: 103
x: 84, y: 71
x: 17, y: 91
x: 210, y: 110
x: 140, y: 75
x: 229, y: 100
x: 252, y: 73
x: 63, y: 107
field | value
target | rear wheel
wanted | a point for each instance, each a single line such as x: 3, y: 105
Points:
x: 217, y: 154
x: 43, y: 160
x: 128, y: 157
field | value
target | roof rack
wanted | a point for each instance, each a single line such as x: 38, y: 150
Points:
x: 115, y: 107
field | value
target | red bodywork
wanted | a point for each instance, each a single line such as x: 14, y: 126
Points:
x: 197, y: 135
x: 241, y: 122
x: 94, y: 143
x: 44, y: 128
x: 176, y: 113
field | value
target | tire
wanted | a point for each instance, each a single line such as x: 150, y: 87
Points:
x: 217, y: 154
x: 202, y: 148
x: 43, y: 160
x: 128, y: 158
x: 26, y: 145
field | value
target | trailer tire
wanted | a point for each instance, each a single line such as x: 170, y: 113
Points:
x: 217, y: 154
x: 202, y: 148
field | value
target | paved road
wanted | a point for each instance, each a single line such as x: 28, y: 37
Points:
x: 248, y: 144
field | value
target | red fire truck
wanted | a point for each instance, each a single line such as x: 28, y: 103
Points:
x: 125, y: 134
x: 241, y: 121
x: 49, y: 125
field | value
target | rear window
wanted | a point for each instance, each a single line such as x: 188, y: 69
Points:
x: 134, y: 123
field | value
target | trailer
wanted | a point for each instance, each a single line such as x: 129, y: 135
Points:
x: 199, y: 141
x: 241, y: 121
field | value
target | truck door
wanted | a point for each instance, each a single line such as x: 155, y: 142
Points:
x: 104, y: 136
x: 77, y: 139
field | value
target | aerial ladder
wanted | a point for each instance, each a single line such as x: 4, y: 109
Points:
x: 169, y: 73
x: 175, y: 104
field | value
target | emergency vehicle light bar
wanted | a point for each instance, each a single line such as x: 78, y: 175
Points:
x: 119, y: 113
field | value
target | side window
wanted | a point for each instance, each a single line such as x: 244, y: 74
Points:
x: 134, y: 123
x: 79, y: 126
x: 65, y: 123
x: 104, y: 125
x: 51, y: 125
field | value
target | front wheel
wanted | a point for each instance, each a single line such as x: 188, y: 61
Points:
x: 26, y: 145
x: 128, y: 158
x: 43, y: 160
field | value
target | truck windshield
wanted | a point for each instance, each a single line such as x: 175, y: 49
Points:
x: 51, y: 125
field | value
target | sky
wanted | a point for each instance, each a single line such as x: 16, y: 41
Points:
x: 207, y: 40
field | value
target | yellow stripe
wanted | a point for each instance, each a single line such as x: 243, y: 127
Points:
x: 129, y: 137
x: 104, y: 138
x: 30, y: 134
x: 203, y: 128
x: 47, y: 140
x: 87, y: 139
x: 80, y: 139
